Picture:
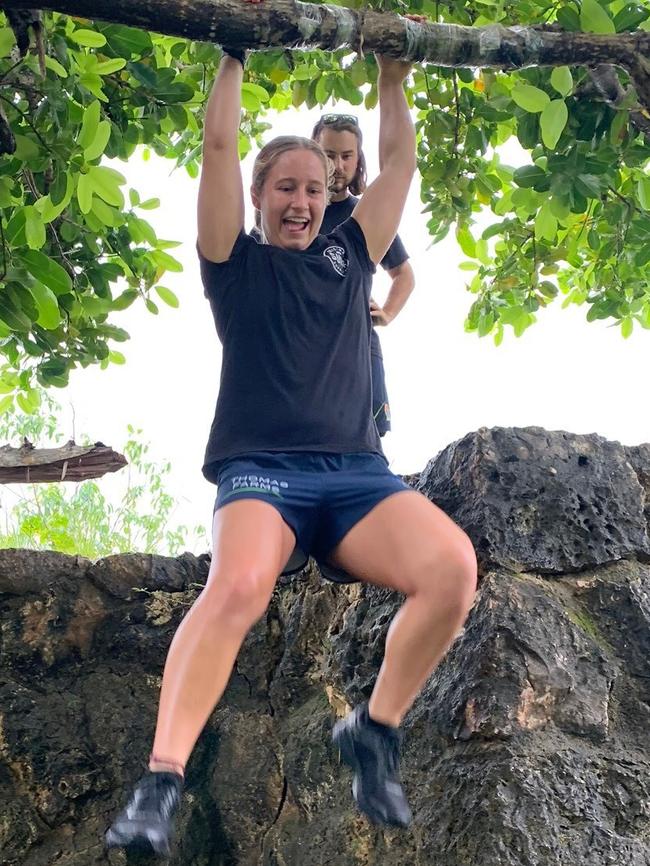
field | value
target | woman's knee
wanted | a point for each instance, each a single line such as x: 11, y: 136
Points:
x: 451, y: 568
x: 463, y: 566
x: 240, y: 594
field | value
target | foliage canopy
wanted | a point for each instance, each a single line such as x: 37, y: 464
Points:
x: 77, y: 250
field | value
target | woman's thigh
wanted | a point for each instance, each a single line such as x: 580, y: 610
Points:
x: 401, y: 542
x: 250, y: 541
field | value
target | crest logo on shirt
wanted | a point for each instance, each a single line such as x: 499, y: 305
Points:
x: 337, y: 257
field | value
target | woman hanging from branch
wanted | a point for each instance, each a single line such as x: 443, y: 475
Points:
x: 295, y: 452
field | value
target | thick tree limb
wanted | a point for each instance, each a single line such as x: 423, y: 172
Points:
x: 293, y: 24
x: 68, y: 463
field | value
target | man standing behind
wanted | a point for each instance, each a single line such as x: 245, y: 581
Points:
x: 340, y: 137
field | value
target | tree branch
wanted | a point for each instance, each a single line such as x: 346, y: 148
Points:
x: 294, y: 24
x: 69, y: 462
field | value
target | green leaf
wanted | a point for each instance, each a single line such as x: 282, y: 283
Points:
x: 143, y: 229
x: 530, y: 98
x: 89, y: 125
x: 26, y: 148
x: 6, y: 186
x: 177, y: 91
x: 545, y: 224
x: 107, y: 67
x: 24, y: 404
x: 55, y: 66
x: 116, y: 357
x: 549, y: 290
x: 104, y: 212
x: 630, y: 17
x: 84, y: 193
x: 643, y: 191
x: 568, y: 19
x: 127, y: 40
x: 552, y: 122
x: 105, y: 183
x: 256, y: 89
x: 167, y: 296
x: 96, y: 149
x: 93, y: 83
x: 34, y: 228
x: 7, y: 41
x: 250, y: 101
x: 49, y: 315
x: 627, y: 326
x: 150, y: 204
x: 595, y: 19
x: 588, y: 185
x: 47, y: 271
x: 465, y: 241
x: 165, y: 261
x: 88, y: 38
x: 125, y: 299
x: 323, y: 89
x: 529, y: 176
x: 6, y: 404
x: 562, y: 80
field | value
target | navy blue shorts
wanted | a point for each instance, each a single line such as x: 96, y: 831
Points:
x: 380, y: 405
x: 320, y: 496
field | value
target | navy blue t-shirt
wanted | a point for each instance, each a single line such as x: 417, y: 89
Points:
x: 295, y: 328
x: 337, y: 212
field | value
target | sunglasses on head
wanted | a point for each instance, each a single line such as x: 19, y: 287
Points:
x: 336, y: 118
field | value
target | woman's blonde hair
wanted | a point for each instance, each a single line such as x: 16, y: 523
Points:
x: 271, y: 152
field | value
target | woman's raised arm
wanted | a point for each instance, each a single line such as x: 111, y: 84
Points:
x: 380, y: 209
x: 221, y: 193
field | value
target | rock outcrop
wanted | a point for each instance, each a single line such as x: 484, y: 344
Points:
x: 529, y: 747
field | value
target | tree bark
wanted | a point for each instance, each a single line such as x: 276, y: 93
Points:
x: 293, y: 24
x: 69, y: 463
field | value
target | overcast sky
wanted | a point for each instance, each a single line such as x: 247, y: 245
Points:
x: 562, y: 374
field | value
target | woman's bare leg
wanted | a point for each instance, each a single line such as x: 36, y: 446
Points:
x: 408, y: 544
x: 251, y: 545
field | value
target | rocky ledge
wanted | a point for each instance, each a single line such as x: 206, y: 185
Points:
x: 529, y: 746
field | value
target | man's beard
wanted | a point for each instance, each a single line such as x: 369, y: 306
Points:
x: 339, y: 184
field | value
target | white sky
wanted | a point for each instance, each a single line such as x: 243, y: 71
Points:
x: 564, y: 373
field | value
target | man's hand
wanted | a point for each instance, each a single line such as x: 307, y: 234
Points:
x: 379, y: 316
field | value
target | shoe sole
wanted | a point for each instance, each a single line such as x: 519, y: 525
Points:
x: 345, y: 744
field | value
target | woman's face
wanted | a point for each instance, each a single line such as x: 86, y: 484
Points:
x: 293, y: 199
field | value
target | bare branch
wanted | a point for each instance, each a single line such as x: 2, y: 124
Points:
x: 68, y: 463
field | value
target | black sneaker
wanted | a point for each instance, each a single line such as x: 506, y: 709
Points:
x: 147, y: 823
x: 372, y: 750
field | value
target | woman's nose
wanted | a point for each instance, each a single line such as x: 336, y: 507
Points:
x: 300, y: 199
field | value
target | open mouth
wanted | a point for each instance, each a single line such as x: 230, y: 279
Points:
x: 295, y: 225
